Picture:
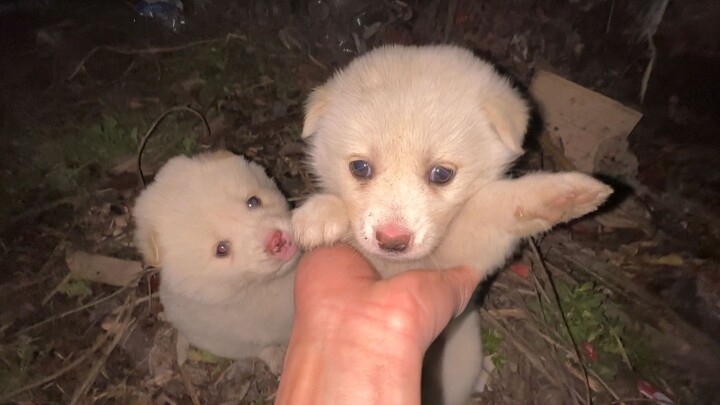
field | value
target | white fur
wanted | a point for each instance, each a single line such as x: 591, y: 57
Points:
x: 404, y: 110
x: 236, y: 306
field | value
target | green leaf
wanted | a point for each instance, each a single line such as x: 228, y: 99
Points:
x: 491, y: 340
x: 75, y: 288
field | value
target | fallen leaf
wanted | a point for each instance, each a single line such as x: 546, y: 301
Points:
x: 74, y: 288
x: 667, y: 260
x: 520, y: 269
x: 103, y: 269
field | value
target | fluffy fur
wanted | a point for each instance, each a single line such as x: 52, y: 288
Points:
x: 238, y: 305
x: 406, y: 110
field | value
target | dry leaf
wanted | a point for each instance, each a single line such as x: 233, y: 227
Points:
x: 103, y: 269
x: 667, y: 260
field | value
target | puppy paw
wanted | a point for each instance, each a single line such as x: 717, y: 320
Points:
x: 321, y: 221
x: 274, y: 357
x: 551, y: 199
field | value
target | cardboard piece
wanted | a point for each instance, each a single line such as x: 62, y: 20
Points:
x: 589, y: 128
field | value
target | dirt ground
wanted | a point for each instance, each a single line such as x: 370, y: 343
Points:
x: 605, y: 308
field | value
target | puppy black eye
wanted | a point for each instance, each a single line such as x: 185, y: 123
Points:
x: 440, y: 175
x: 361, y: 169
x: 253, y: 202
x: 222, y: 249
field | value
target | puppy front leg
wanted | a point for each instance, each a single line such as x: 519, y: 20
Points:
x: 540, y: 201
x: 321, y: 221
x: 492, y: 222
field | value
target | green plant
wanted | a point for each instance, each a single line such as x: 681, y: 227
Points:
x: 16, y: 363
x: 75, y: 288
x: 492, y: 341
x: 605, y: 341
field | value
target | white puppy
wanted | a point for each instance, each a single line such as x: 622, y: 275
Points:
x: 220, y: 230
x: 411, y: 146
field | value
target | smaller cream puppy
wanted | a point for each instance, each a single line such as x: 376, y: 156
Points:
x: 220, y: 230
x: 410, y: 146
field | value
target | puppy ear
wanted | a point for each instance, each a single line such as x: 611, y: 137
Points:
x: 146, y: 242
x: 509, y: 115
x: 314, y: 109
x: 145, y: 236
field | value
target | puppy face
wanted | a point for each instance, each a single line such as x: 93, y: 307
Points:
x: 214, y: 221
x: 404, y: 135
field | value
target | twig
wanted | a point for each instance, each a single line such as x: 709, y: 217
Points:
x: 588, y: 397
x: 83, y: 307
x: 189, y: 386
x: 552, y: 341
x: 612, y: 10
x: 529, y: 354
x: 557, y: 340
x: 154, y: 125
x: 146, y: 51
x: 58, y: 373
x: 58, y: 248
x: 624, y: 354
x: 54, y: 291
x: 147, y: 298
x: 649, y: 68
x: 120, y: 330
x: 317, y: 62
x: 449, y: 20
x: 540, y: 293
x: 70, y: 312
x: 35, y: 211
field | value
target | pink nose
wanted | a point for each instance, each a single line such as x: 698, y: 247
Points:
x: 280, y: 245
x: 393, y: 237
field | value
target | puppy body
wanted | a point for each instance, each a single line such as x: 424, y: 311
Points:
x: 220, y: 230
x: 404, y: 112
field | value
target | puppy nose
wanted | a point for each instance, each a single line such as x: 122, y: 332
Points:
x: 393, y: 237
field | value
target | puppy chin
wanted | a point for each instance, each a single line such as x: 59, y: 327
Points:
x: 288, y: 265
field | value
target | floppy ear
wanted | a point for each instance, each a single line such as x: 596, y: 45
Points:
x: 509, y: 115
x: 314, y: 109
x: 146, y: 243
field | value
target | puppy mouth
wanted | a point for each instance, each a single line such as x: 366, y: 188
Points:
x: 280, y: 245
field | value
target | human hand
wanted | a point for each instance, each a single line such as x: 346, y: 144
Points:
x: 360, y: 339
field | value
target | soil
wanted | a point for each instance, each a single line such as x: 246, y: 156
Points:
x: 81, y: 82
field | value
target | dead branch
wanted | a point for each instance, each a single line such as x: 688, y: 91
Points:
x: 189, y: 386
x: 85, y: 306
x: 541, y: 261
x: 542, y: 294
x: 54, y: 376
x: 35, y: 211
x: 529, y: 354
x: 147, y: 51
x: 449, y: 20
x: 154, y: 125
x: 120, y: 329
